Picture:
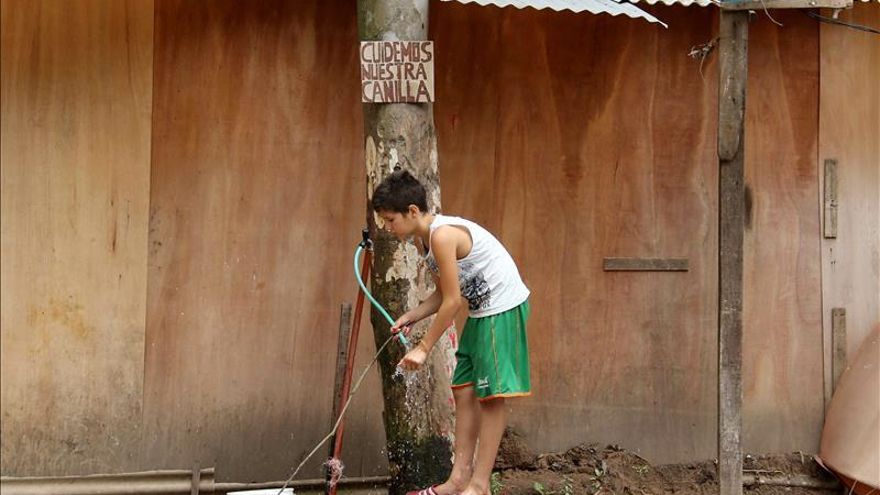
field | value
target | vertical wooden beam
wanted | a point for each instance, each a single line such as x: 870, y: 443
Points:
x: 830, y: 199
x: 196, y: 480
x: 733, y: 55
x: 838, y: 341
x: 344, y: 350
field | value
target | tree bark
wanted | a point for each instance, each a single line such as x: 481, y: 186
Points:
x: 418, y: 414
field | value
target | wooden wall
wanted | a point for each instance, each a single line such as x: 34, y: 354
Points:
x: 182, y: 189
x: 782, y: 326
x: 256, y: 208
x: 76, y: 97
x: 247, y: 198
x: 609, y: 150
x: 573, y: 155
x: 849, y: 125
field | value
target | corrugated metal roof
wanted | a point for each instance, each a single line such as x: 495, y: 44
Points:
x: 701, y: 3
x: 594, y: 6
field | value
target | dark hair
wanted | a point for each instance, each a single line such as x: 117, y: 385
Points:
x: 399, y: 190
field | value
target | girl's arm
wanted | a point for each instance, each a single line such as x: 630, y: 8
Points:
x: 443, y: 244
x: 427, y: 307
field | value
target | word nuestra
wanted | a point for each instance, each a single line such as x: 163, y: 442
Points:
x: 397, y: 71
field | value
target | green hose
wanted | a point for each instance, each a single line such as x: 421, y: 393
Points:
x: 357, y: 273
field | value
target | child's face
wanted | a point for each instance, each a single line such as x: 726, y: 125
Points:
x: 402, y: 225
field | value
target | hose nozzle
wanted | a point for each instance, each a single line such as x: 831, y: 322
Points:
x: 366, y: 242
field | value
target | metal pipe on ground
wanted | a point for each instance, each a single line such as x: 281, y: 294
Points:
x: 802, y: 481
x: 180, y: 482
x: 170, y: 482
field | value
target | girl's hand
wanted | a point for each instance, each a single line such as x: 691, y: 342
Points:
x: 414, y: 359
x: 403, y: 324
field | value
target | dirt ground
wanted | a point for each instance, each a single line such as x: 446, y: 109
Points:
x: 592, y: 469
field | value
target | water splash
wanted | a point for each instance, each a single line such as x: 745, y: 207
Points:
x: 335, y: 467
x: 398, y: 373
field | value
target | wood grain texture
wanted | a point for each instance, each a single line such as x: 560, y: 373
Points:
x: 838, y: 339
x: 830, y: 201
x: 645, y: 264
x: 570, y: 154
x: 567, y: 155
x: 569, y: 136
x: 75, y: 159
x: 733, y: 56
x: 782, y: 362
x: 849, y: 132
x: 257, y: 203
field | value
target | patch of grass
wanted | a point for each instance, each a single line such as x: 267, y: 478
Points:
x: 596, y: 479
x: 642, y: 469
x: 495, y: 484
x: 567, y: 485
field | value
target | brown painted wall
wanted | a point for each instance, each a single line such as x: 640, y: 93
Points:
x: 609, y: 150
x: 75, y: 153
x: 573, y: 137
x: 573, y: 155
x: 256, y: 206
x: 849, y: 125
x: 782, y: 327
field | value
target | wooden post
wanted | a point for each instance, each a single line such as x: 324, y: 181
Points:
x: 830, y: 199
x: 418, y: 409
x: 345, y: 350
x: 345, y: 347
x: 733, y: 57
x: 196, y: 481
x: 838, y: 342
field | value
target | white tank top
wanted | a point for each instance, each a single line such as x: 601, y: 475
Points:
x: 487, y: 276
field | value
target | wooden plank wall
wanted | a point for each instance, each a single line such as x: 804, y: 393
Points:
x: 782, y: 325
x: 574, y: 155
x: 616, y: 144
x: 849, y: 132
x: 573, y: 137
x: 76, y: 93
x: 257, y: 201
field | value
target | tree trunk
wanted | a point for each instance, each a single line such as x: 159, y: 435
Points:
x: 418, y: 415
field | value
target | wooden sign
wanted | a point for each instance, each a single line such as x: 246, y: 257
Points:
x: 397, y: 71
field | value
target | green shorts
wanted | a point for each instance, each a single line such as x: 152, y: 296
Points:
x: 493, y: 355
